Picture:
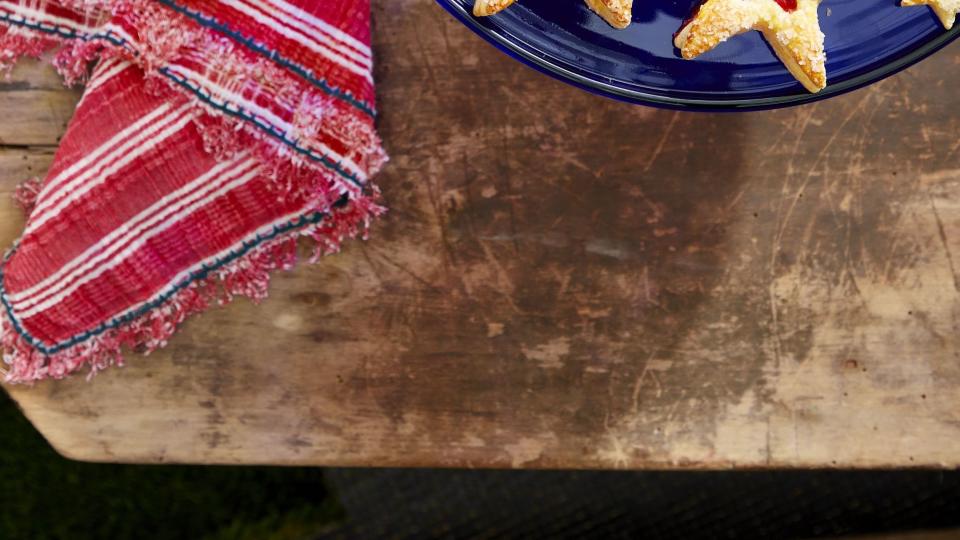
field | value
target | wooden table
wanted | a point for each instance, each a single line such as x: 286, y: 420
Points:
x: 567, y: 281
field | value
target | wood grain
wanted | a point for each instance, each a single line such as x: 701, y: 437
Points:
x: 30, y: 117
x: 567, y: 281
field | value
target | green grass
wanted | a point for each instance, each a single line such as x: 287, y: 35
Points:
x: 44, y: 496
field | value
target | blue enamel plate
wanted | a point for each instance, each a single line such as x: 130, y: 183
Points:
x: 867, y: 40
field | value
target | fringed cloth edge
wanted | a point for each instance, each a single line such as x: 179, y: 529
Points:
x: 294, y: 160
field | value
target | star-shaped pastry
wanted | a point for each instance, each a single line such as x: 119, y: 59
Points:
x: 947, y: 10
x: 616, y: 12
x: 792, y: 28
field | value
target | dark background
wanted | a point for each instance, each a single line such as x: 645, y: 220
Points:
x: 45, y: 496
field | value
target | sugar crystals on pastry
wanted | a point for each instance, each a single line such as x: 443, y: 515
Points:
x: 482, y: 8
x: 616, y: 12
x: 792, y: 28
x: 946, y: 10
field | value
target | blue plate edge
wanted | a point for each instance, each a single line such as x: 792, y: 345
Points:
x: 692, y: 104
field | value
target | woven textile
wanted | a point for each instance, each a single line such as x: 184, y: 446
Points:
x: 210, y: 136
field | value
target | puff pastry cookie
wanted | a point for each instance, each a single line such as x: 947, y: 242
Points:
x: 482, y: 8
x: 792, y: 28
x: 947, y: 10
x: 616, y: 12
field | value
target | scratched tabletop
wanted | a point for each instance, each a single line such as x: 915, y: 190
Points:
x: 564, y: 281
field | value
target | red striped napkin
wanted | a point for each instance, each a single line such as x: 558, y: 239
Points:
x: 211, y: 135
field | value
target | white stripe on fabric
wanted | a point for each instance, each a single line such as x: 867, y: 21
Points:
x: 314, y: 45
x: 118, y: 30
x: 228, y: 96
x: 304, y: 27
x: 103, y: 66
x: 95, y: 80
x: 123, y: 235
x: 136, y: 245
x: 37, y: 15
x: 323, y: 26
x: 131, y: 224
x: 136, y: 147
x: 274, y: 120
x: 179, y: 278
x: 51, y: 186
x: 104, y: 74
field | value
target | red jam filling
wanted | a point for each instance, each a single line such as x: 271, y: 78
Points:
x: 788, y: 5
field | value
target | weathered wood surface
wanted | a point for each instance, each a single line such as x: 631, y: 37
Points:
x: 566, y: 281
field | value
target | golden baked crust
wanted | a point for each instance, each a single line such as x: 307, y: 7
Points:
x: 616, y: 12
x: 946, y: 10
x: 795, y: 36
x: 482, y: 8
